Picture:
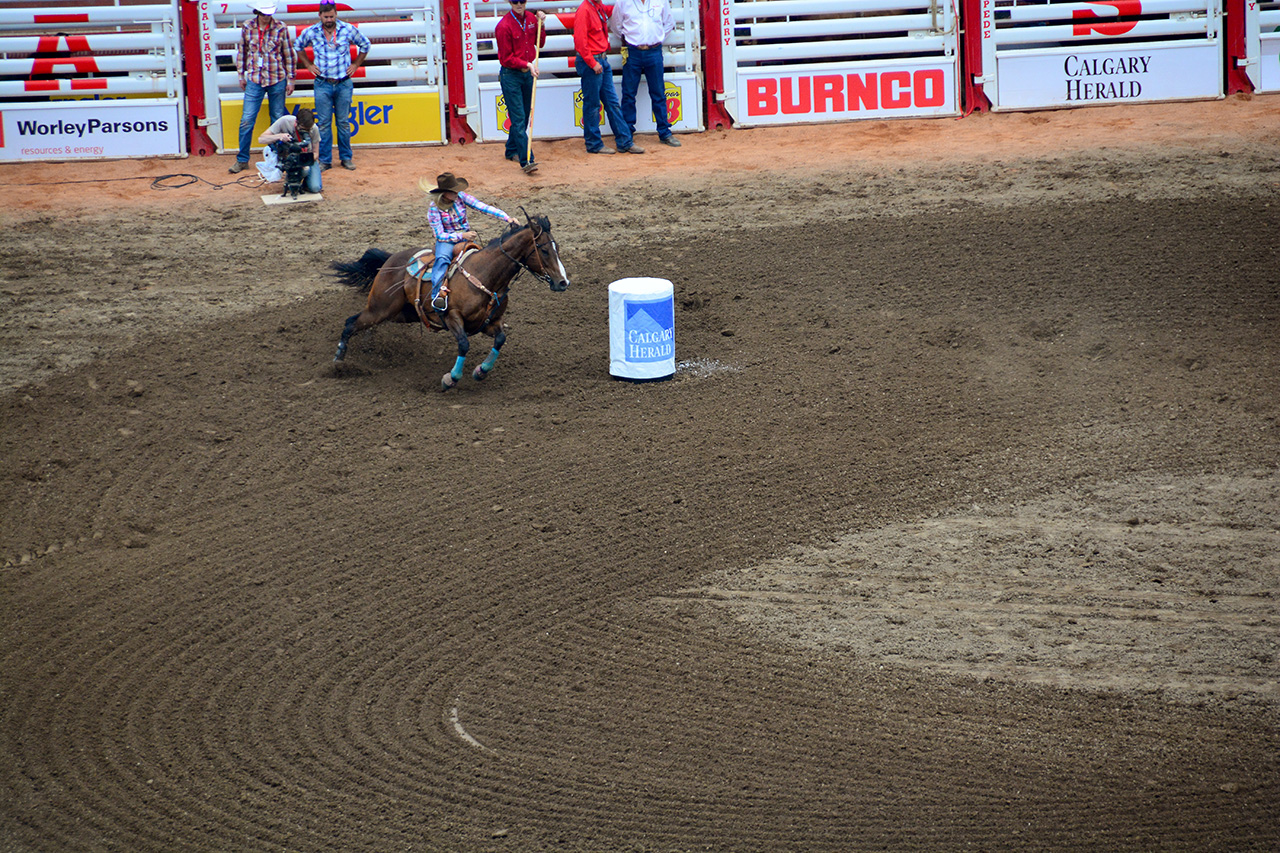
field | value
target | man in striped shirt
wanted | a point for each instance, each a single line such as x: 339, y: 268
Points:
x: 331, y: 41
x: 264, y: 62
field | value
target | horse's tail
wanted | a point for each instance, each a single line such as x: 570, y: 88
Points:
x: 360, y: 274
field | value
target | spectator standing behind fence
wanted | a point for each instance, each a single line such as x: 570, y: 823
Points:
x: 643, y: 25
x: 591, y: 42
x: 518, y: 43
x: 264, y: 63
x: 331, y: 40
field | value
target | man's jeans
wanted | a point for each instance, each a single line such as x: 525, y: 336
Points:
x: 517, y: 92
x: 649, y: 63
x: 597, y: 88
x: 253, y: 95
x: 333, y: 100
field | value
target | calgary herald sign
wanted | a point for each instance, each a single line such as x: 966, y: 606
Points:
x: 1092, y: 53
x: 1089, y: 78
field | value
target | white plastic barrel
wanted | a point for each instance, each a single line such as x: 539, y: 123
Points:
x: 642, y: 329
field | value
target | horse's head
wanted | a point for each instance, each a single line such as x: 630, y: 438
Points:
x: 543, y: 257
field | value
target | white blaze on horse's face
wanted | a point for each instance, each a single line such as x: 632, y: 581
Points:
x: 564, y: 274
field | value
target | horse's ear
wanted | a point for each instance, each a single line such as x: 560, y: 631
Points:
x: 528, y: 219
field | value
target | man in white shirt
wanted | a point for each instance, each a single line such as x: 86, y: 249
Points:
x: 643, y: 25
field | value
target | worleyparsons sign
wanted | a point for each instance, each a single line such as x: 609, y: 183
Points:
x: 131, y: 128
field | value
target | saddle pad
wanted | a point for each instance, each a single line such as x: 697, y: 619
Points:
x: 418, y: 267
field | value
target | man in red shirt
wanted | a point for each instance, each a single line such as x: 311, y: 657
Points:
x: 591, y: 42
x: 519, y: 35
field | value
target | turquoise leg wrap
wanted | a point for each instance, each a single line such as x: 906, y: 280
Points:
x: 456, y: 373
x: 490, y: 361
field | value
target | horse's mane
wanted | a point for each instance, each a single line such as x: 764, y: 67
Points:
x: 544, y: 224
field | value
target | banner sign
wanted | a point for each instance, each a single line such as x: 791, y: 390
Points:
x: 99, y: 129
x: 802, y: 61
x: 821, y: 93
x: 1078, y: 77
x: 559, y: 108
x: 1269, y: 65
x: 378, y: 117
x: 1089, y: 53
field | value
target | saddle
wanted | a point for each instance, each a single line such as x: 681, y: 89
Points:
x: 417, y: 280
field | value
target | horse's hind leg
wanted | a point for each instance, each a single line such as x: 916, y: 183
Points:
x: 378, y: 309
x: 347, y: 331
x: 482, y: 369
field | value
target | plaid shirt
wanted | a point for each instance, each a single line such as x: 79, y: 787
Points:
x: 265, y: 56
x: 449, y: 224
x: 333, y: 58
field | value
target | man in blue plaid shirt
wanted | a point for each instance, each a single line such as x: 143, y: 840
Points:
x: 331, y: 41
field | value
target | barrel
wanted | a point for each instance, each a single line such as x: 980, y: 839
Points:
x: 642, y: 329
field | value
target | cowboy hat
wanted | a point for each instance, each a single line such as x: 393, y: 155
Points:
x: 265, y: 7
x: 444, y: 183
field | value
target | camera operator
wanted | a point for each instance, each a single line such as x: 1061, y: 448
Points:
x: 302, y: 130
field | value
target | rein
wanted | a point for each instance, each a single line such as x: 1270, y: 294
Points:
x: 545, y: 278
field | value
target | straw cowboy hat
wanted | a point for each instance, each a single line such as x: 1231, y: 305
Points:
x: 266, y: 7
x: 444, y: 183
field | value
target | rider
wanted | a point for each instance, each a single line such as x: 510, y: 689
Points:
x: 448, y: 217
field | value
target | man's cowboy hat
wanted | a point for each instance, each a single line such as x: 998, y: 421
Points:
x: 444, y: 183
x: 266, y: 7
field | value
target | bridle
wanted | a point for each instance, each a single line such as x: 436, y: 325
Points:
x: 543, y: 253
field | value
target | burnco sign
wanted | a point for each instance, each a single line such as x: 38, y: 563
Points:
x: 829, y: 97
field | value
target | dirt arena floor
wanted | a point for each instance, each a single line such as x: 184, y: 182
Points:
x: 957, y: 527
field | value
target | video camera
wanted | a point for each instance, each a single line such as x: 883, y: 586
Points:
x: 294, y: 157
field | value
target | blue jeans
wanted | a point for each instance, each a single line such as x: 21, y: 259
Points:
x: 333, y: 100
x: 647, y: 63
x: 313, y: 180
x: 595, y: 89
x: 444, y: 255
x: 517, y: 92
x: 310, y: 175
x: 253, y: 95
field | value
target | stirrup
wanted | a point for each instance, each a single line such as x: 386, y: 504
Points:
x: 441, y: 302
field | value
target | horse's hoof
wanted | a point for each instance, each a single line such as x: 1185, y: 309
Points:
x: 448, y: 382
x: 478, y: 374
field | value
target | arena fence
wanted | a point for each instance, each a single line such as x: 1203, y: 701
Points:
x: 90, y: 81
x: 1038, y: 55
x: 102, y: 79
x: 558, y: 105
x: 1262, y: 44
x: 794, y: 61
x: 398, y: 97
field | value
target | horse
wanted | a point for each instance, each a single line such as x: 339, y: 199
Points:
x: 478, y: 290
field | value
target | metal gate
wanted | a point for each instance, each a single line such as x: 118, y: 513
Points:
x: 90, y: 81
x: 1262, y: 44
x: 558, y: 108
x: 1038, y: 54
x: 398, y: 97
x: 795, y: 61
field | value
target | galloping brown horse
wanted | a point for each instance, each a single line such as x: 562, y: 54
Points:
x: 477, y: 291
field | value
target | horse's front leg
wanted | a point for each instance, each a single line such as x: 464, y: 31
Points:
x: 482, y: 369
x: 450, y: 379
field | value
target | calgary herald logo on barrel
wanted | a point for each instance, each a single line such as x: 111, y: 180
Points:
x: 650, y: 328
